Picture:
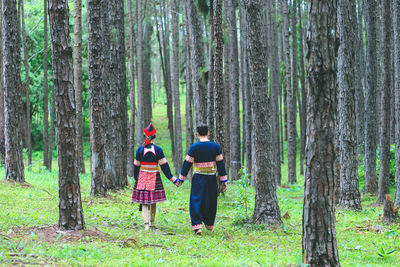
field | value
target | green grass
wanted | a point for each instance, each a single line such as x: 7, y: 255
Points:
x: 362, y: 238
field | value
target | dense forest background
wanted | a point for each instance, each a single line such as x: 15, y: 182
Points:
x: 301, y: 96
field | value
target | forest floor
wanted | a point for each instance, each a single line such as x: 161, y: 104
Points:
x: 115, y: 235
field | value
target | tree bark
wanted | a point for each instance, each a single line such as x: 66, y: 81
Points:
x: 26, y: 86
x: 189, y: 92
x: 290, y: 99
x: 245, y: 83
x: 275, y: 87
x: 97, y: 80
x: 175, y: 85
x: 218, y: 74
x: 210, y: 74
x: 131, y: 138
x: 2, y: 122
x: 139, y: 73
x: 115, y: 109
x: 384, y: 172
x: 234, y: 91
x: 390, y: 213
x: 370, y: 183
x: 266, y: 209
x: 12, y: 92
x: 303, y: 94
x: 78, y: 83
x: 52, y: 129
x: 396, y: 27
x: 347, y: 70
x: 319, y: 234
x: 199, y: 87
x: 46, y: 150
x: 70, y: 203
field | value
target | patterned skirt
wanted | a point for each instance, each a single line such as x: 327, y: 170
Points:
x: 149, y: 197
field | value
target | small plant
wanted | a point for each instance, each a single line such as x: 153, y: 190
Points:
x: 244, y: 184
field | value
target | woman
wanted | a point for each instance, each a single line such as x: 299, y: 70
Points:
x: 149, y: 189
x: 206, y: 155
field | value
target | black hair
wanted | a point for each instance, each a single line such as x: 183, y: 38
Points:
x: 151, y: 138
x: 202, y: 130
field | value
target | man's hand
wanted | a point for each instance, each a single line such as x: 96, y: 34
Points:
x: 224, y: 187
x: 178, y: 183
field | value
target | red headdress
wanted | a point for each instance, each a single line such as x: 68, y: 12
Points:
x: 149, y: 131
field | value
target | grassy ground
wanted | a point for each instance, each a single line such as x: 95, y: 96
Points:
x: 114, y: 233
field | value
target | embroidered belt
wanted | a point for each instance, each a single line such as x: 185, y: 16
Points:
x: 204, y: 170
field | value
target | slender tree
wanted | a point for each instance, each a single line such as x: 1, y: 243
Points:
x: 303, y: 92
x: 396, y: 27
x: 28, y: 126
x: 197, y: 62
x: 290, y: 98
x: 347, y: 70
x: 266, y: 209
x: 292, y: 102
x: 384, y: 124
x: 275, y: 87
x: 319, y: 234
x: 70, y: 203
x: 189, y: 90
x: 219, y: 130
x: 139, y: 73
x: 12, y: 92
x: 115, y: 109
x: 78, y: 82
x: 45, y: 92
x: 370, y: 184
x: 131, y: 138
x: 97, y: 73
x: 175, y: 85
x: 234, y: 91
x: 210, y: 73
x: 245, y: 84
x: 2, y: 137
x: 52, y: 129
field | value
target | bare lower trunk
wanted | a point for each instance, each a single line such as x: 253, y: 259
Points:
x: 347, y: 69
x: 370, y: 184
x: 396, y: 26
x: 319, y: 234
x: 70, y: 203
x: 303, y: 94
x: 12, y: 92
x: 45, y: 94
x: 384, y: 172
x: 78, y: 82
x: 131, y: 151
x: 266, y: 209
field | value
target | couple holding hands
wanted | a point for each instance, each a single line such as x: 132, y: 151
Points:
x: 149, y: 190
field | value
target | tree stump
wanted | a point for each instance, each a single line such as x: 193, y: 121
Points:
x: 390, y: 213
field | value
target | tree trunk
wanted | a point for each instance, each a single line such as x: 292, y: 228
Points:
x: 275, y: 87
x: 78, y: 83
x: 218, y: 74
x: 245, y: 83
x: 175, y: 85
x: 70, y: 203
x: 97, y: 79
x: 199, y: 87
x: 227, y: 108
x: 139, y: 73
x: 12, y: 92
x: 46, y: 151
x: 370, y: 184
x: 131, y: 138
x: 189, y: 92
x: 147, y: 53
x: 266, y: 209
x: 319, y: 234
x: 234, y: 89
x: 384, y: 172
x: 292, y: 102
x: 303, y: 94
x: 347, y: 70
x: 210, y: 75
x: 52, y: 129
x: 396, y: 27
x: 115, y: 110
x: 359, y: 82
x: 290, y: 99
x: 26, y: 86
x: 390, y: 213
x: 2, y: 134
